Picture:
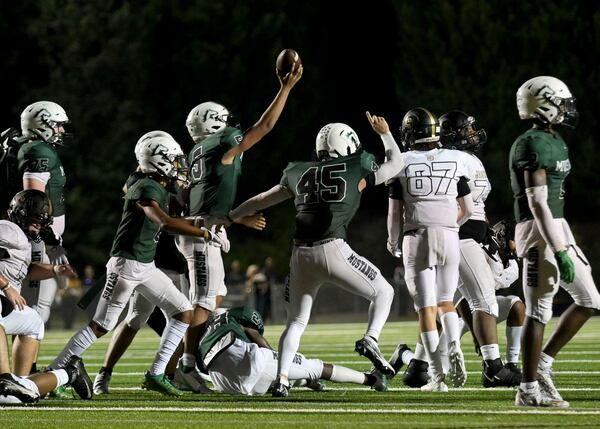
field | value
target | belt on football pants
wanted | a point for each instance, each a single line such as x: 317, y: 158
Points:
x: 301, y: 243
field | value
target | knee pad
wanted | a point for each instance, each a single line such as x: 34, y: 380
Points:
x: 488, y: 308
x: 136, y: 321
x: 37, y: 330
x: 385, y: 291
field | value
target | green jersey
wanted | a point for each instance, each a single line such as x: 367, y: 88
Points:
x: 535, y: 150
x: 41, y: 157
x: 137, y: 235
x: 326, y: 194
x: 214, y: 185
x: 224, y: 329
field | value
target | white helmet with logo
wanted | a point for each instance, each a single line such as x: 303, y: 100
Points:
x: 42, y: 119
x: 547, y: 99
x: 149, y: 135
x: 162, y: 154
x: 335, y: 140
x: 206, y: 118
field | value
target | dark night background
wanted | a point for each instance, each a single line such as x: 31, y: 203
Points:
x: 121, y: 68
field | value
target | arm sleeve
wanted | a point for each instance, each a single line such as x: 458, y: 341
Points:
x: 463, y: 187
x: 275, y: 195
x: 395, y: 190
x: 393, y: 221
x: 537, y: 197
x: 393, y: 163
x: 467, y: 206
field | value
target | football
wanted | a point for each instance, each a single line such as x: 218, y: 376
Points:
x: 285, y: 61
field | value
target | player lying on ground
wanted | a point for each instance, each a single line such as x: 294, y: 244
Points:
x: 240, y: 360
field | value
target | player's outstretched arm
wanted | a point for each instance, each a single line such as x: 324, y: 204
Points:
x: 259, y: 202
x: 395, y: 208
x: 393, y: 158
x: 173, y: 225
x: 268, y: 119
x: 41, y: 271
x: 536, y: 189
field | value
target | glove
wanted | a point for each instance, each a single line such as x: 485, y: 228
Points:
x: 222, y: 240
x: 393, y: 249
x: 565, y: 266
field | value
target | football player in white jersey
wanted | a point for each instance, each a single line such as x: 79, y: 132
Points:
x: 28, y: 213
x: 461, y: 132
x: 425, y: 195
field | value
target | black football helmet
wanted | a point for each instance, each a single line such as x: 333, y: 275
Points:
x: 419, y: 126
x: 30, y: 207
x: 500, y: 235
x: 461, y: 131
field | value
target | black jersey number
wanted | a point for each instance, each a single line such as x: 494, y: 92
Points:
x: 423, y: 179
x: 322, y: 183
x: 197, y: 167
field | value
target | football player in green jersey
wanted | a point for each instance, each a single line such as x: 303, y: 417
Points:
x: 240, y: 360
x: 42, y: 123
x: 131, y: 266
x: 539, y: 164
x: 327, y: 195
x: 215, y: 167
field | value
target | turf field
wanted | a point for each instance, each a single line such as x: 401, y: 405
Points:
x: 577, y: 375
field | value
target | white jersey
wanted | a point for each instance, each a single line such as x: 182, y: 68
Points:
x: 479, y: 184
x: 428, y: 185
x: 18, y: 246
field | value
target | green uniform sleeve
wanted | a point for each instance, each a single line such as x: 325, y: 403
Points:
x: 248, y: 318
x: 145, y: 190
x: 232, y: 137
x: 284, y: 178
x: 368, y: 165
x: 36, y: 158
x: 532, y: 153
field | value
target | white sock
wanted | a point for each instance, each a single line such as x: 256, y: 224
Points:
x: 513, y: 343
x: 169, y: 342
x: 341, y: 374
x: 545, y: 362
x: 529, y: 386
x: 62, y: 377
x: 420, y: 352
x: 431, y: 341
x: 490, y: 352
x: 450, y: 325
x: 288, y: 346
x: 379, y: 310
x: 78, y: 343
x: 407, y: 356
x: 188, y: 360
x: 443, y: 348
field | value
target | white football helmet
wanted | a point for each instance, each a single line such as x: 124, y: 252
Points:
x: 206, y: 118
x: 162, y: 154
x: 147, y: 136
x: 335, y: 140
x: 548, y: 99
x: 42, y: 119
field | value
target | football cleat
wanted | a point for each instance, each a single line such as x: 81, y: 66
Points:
x: 315, y: 384
x: 79, y: 379
x: 380, y: 383
x: 368, y: 348
x: 190, y: 381
x: 457, y: 373
x: 512, y: 367
x: 280, y: 390
x: 535, y: 398
x: 548, y: 389
x: 160, y: 383
x: 101, y: 382
x: 416, y: 373
x: 435, y: 384
x: 396, y: 358
x: 494, y: 374
x: 10, y: 387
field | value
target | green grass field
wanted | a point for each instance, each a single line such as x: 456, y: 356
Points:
x: 577, y: 375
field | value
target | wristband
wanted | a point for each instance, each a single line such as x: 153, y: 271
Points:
x: 56, y: 269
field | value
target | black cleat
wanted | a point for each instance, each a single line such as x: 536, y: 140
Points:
x: 416, y: 373
x: 368, y: 348
x: 280, y: 390
x: 10, y: 387
x: 396, y: 359
x: 512, y: 367
x: 494, y: 374
x: 79, y: 379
